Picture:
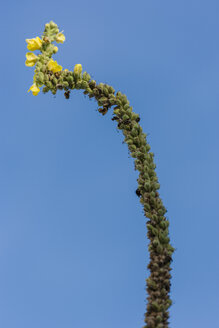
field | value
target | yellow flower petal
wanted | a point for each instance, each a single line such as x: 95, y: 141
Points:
x: 31, y: 56
x: 30, y: 63
x: 53, y: 66
x: 34, y: 44
x: 60, y: 38
x: 78, y: 68
x: 35, y: 90
x: 57, y: 68
x: 38, y: 41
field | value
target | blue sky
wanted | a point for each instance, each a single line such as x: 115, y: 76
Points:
x: 73, y: 244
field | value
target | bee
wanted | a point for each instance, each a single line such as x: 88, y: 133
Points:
x: 138, y: 193
x: 137, y: 119
x: 59, y: 86
x: 67, y: 94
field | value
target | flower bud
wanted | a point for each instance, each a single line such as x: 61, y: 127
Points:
x: 65, y: 84
x: 84, y: 84
x: 111, y: 90
x: 159, y: 249
x: 70, y: 79
x: 40, y: 77
x: 116, y: 111
x: 78, y: 69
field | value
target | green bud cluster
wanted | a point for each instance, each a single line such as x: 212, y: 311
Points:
x: 158, y: 284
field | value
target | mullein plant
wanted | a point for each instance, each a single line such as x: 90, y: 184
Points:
x: 50, y: 75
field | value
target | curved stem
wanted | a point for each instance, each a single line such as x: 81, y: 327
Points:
x: 158, y: 283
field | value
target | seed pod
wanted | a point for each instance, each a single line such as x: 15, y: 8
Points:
x: 161, y: 212
x: 112, y: 101
x: 164, y: 224
x: 142, y: 201
x: 45, y: 89
x: 160, y: 325
x: 125, y: 117
x: 134, y: 133
x: 129, y: 141
x: 105, y: 91
x: 159, y: 249
x: 168, y: 304
x: 140, y: 155
x: 70, y: 79
x: 132, y: 147
x: 163, y: 238
x: 147, y: 147
x: 100, y: 86
x: 156, y: 186
x: 92, y: 83
x: 155, y: 306
x: 129, y: 110
x: 151, y: 228
x: 147, y: 186
x: 158, y: 319
x: 54, y: 80
x: 86, y: 76
x: 116, y: 111
x: 90, y: 91
x: 49, y: 85
x: 111, y: 90
x: 151, y: 283
x: 102, y: 100
x: 155, y: 242
x: 65, y: 84
x: 171, y: 249
x: 43, y: 68
x: 40, y: 77
x: 147, y: 207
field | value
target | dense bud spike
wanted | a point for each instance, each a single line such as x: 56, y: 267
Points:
x: 51, y: 75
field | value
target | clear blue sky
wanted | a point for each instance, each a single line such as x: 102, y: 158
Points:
x: 73, y: 244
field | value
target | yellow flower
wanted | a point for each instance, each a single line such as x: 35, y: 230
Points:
x: 60, y: 38
x: 34, y: 44
x: 78, y: 68
x: 35, y: 90
x: 53, y: 66
x: 30, y: 63
x: 31, y: 59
